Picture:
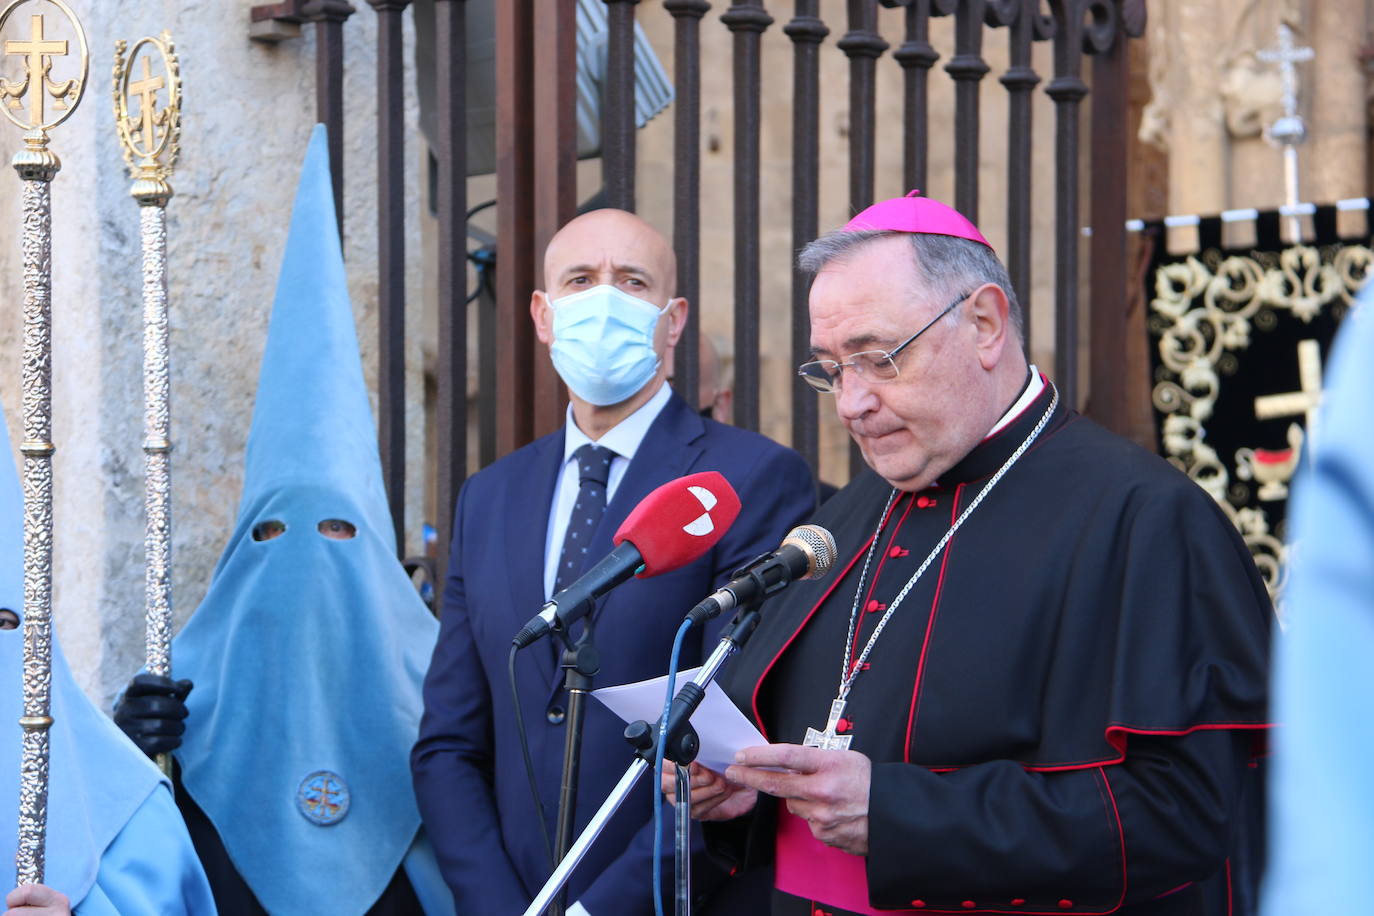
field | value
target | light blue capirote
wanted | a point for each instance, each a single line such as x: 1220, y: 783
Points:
x: 116, y: 843
x: 1321, y: 792
x: 308, y: 653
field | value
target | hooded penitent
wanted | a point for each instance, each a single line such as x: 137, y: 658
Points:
x: 308, y: 651
x: 97, y: 779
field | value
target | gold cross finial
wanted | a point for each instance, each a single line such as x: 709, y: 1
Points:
x: 146, y: 91
x: 25, y: 100
x: 152, y: 137
x: 35, y: 52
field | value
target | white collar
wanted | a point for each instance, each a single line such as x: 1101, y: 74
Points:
x: 1033, y: 389
x: 625, y: 437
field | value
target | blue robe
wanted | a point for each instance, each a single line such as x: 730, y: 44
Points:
x: 308, y: 651
x: 1321, y: 795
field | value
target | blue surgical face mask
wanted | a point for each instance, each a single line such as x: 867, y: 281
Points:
x: 603, y: 344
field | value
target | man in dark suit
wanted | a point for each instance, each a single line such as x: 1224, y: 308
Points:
x: 530, y: 524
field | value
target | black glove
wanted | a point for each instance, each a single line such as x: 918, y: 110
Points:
x: 152, y: 713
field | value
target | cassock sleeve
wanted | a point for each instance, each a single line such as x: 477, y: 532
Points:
x: 452, y: 760
x: 150, y: 867
x: 1085, y: 840
x: 776, y: 493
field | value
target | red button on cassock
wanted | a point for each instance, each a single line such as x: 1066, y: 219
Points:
x: 968, y: 904
x: 1065, y: 904
x: 918, y: 903
x: 1018, y: 901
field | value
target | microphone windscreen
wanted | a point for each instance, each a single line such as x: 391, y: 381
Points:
x: 680, y: 521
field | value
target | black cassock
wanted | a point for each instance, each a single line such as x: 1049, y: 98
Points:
x: 1064, y: 714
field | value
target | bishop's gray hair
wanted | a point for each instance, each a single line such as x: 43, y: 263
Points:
x: 946, y: 266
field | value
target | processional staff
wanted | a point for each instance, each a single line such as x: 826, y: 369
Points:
x: 24, y: 102
x: 151, y: 138
x: 1289, y: 131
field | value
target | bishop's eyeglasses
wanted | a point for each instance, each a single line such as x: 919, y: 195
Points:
x: 871, y: 365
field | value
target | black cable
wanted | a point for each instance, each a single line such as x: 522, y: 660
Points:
x: 529, y: 761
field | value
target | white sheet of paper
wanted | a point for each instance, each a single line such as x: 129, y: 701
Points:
x: 720, y: 725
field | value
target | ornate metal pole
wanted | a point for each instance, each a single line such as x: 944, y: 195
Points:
x: 1289, y: 131
x: 37, y: 166
x: 151, y: 137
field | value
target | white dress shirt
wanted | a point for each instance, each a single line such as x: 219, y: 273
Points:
x: 624, y: 439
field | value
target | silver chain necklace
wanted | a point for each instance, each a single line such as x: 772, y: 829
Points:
x: 828, y: 739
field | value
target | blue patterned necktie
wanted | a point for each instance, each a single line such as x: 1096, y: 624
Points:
x: 593, y: 469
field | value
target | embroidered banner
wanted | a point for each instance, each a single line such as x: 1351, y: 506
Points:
x: 1238, y: 340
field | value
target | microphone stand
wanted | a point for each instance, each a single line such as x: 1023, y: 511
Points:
x: 680, y: 746
x: 580, y: 663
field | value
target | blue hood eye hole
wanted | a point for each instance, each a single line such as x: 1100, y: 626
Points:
x: 266, y: 531
x: 9, y: 620
x: 336, y: 529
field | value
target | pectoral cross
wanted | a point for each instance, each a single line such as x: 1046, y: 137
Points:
x: 828, y: 740
x: 37, y: 53
x: 1294, y: 403
x: 149, y: 118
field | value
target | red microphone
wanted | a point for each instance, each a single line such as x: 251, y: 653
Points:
x: 670, y: 528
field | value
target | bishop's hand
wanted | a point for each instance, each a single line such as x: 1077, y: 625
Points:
x: 826, y: 788
x: 714, y: 798
x: 152, y: 713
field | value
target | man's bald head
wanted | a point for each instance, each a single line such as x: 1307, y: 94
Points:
x: 616, y: 249
x: 613, y: 247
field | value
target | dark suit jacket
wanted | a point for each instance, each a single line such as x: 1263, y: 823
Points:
x: 469, y: 778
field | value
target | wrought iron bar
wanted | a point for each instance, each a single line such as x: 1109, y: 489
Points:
x: 488, y: 351
x: 618, y: 106
x: 807, y: 31
x: 451, y: 138
x: 687, y: 187
x: 967, y: 68
x: 555, y: 169
x: 1112, y: 354
x: 1067, y: 89
x: 391, y: 258
x: 917, y: 56
x: 862, y: 45
x: 515, y: 267
x: 1024, y: 22
x: 329, y: 16
x: 747, y: 20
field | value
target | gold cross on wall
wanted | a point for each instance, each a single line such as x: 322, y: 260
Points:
x: 35, y: 71
x: 1303, y: 402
